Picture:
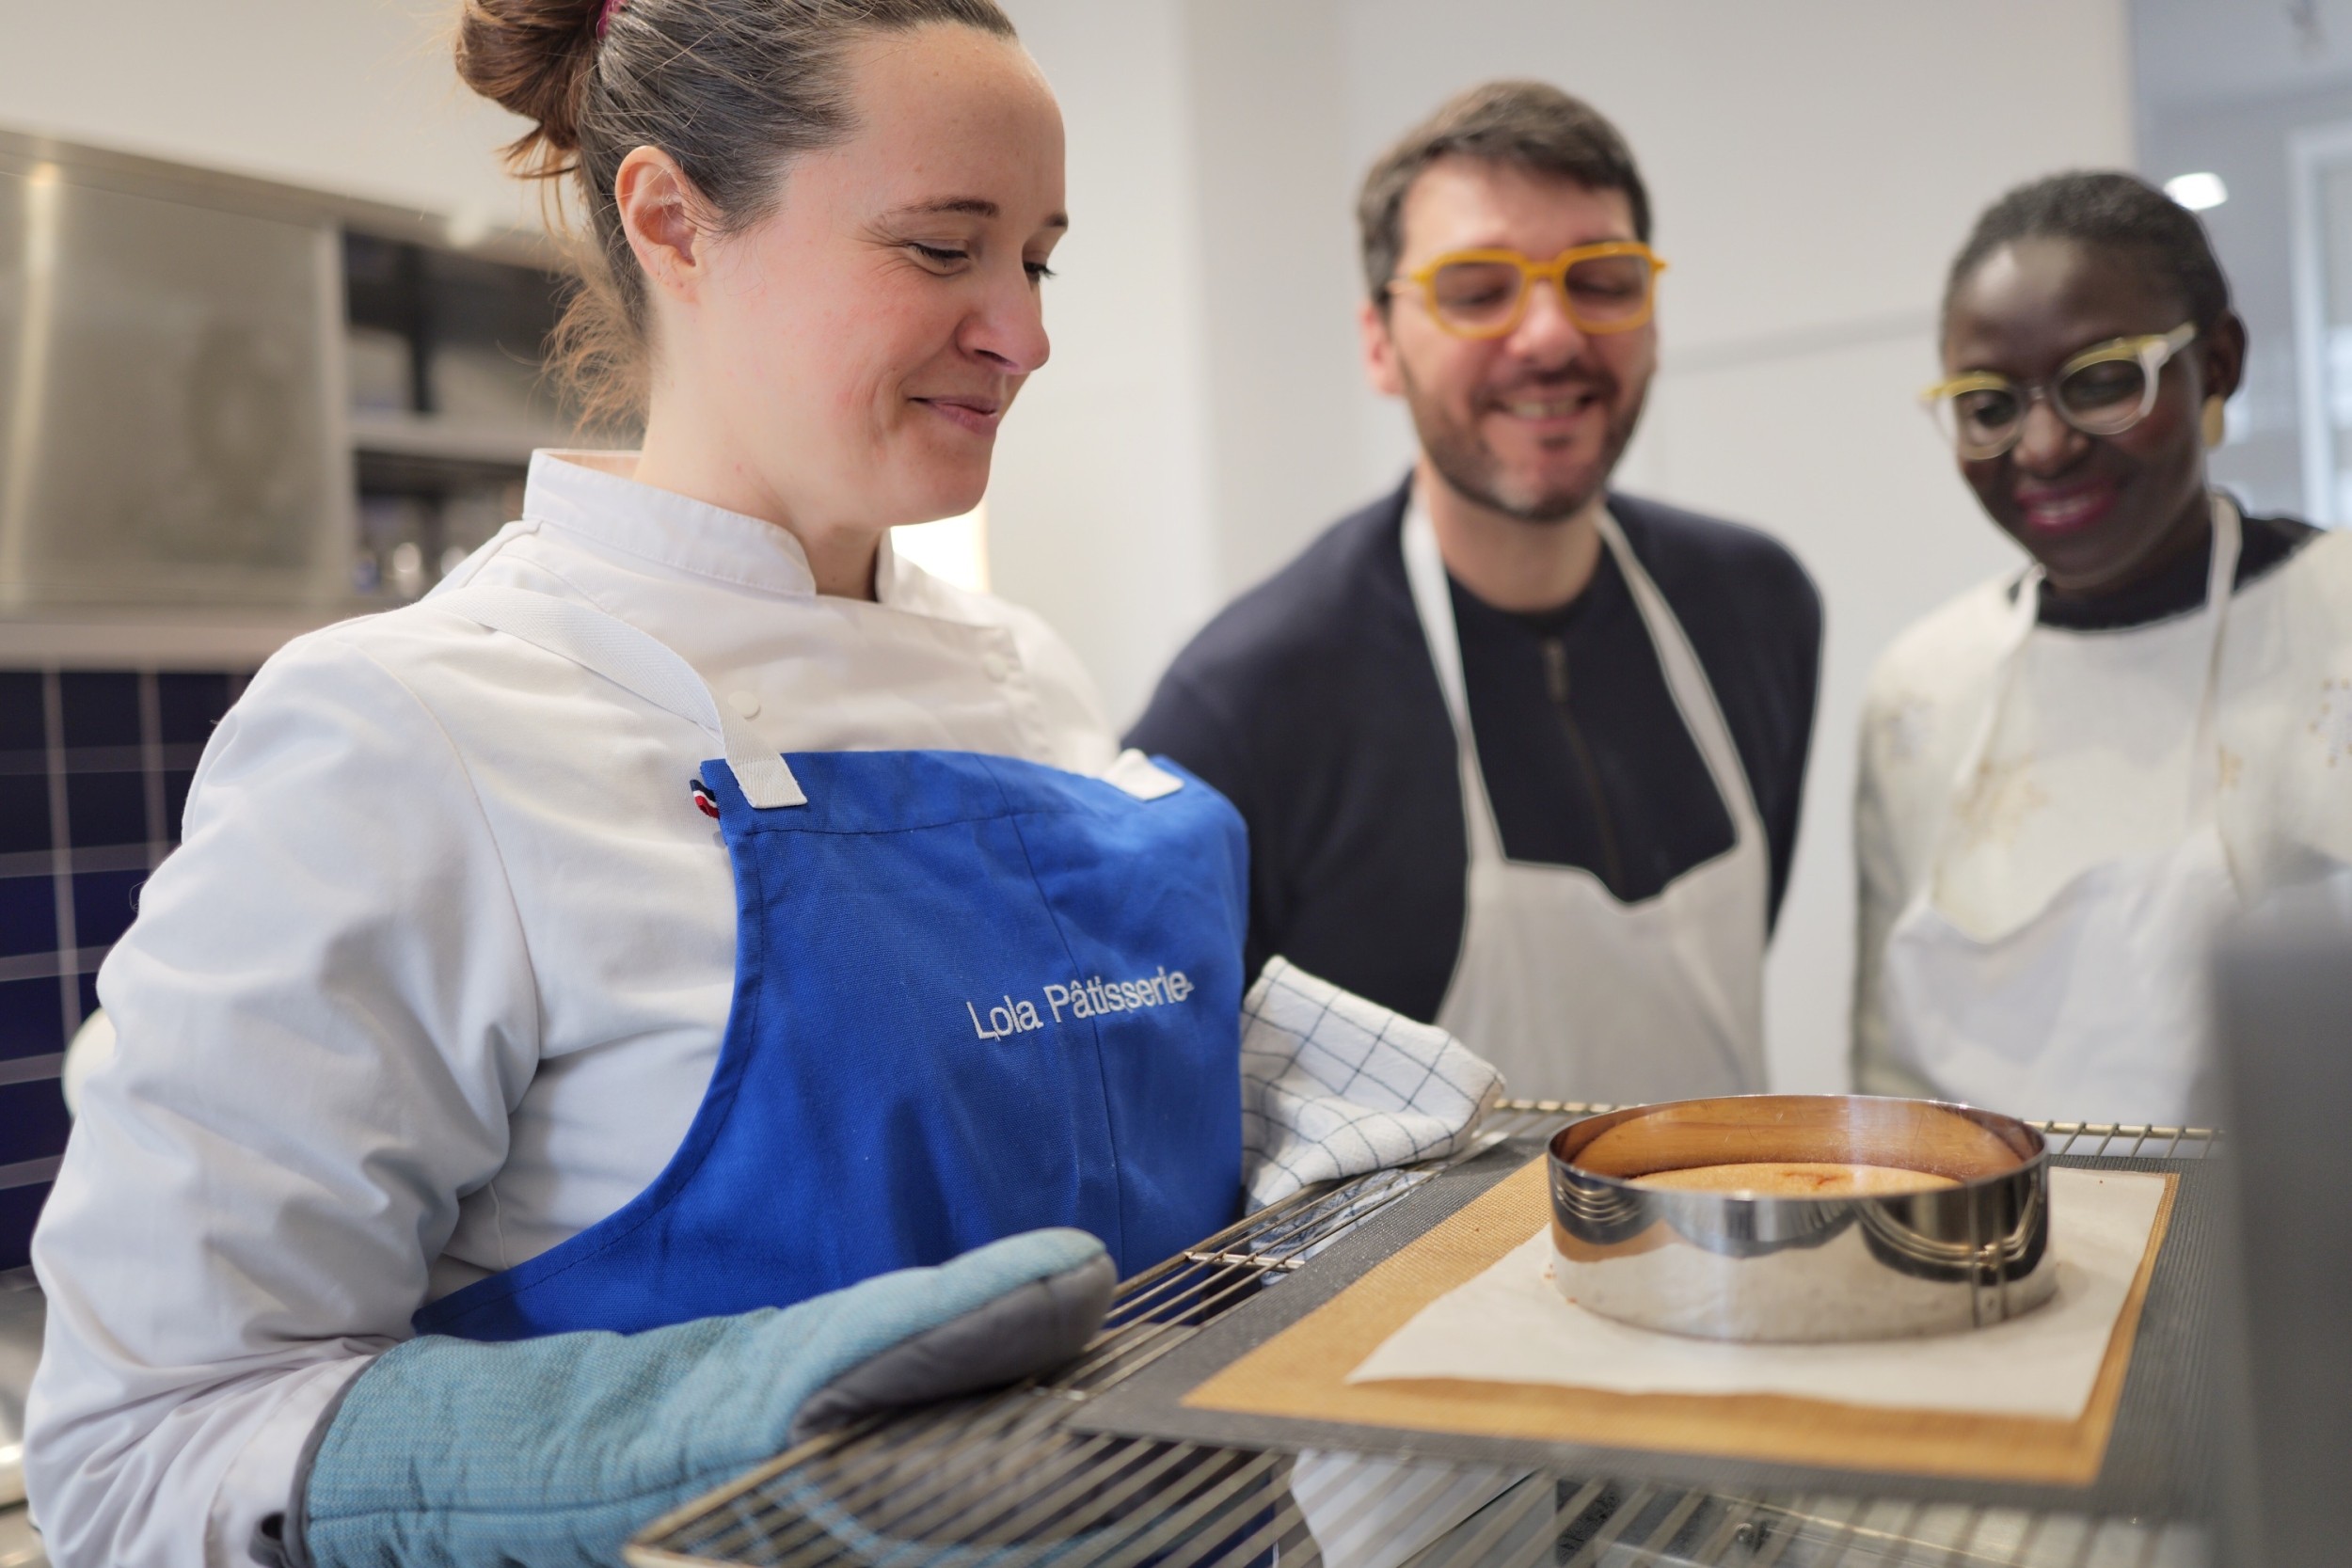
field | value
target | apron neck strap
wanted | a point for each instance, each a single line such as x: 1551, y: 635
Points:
x: 637, y: 663
x: 1686, y: 680
x: 2228, y: 543
x: 1433, y: 601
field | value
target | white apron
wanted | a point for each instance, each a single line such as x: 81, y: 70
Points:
x: 2095, y: 1008
x: 1572, y: 992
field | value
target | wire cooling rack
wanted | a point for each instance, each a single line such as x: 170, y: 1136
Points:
x: 1002, y: 1483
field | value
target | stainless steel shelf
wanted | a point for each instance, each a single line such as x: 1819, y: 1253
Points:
x: 446, y: 440
x: 160, y: 637
x: 1002, y: 1483
x: 23, y: 151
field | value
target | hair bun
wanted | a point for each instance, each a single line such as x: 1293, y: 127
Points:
x: 532, y: 58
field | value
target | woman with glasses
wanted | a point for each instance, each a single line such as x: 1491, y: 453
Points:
x: 2071, y: 775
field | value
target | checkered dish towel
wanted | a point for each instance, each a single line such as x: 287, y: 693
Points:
x: 1332, y: 1085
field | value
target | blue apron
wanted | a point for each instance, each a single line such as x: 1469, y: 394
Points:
x: 973, y: 995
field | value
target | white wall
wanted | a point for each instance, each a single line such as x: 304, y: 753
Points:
x: 356, y: 96
x: 1278, y: 180
x: 1099, y: 501
x: 1814, y: 163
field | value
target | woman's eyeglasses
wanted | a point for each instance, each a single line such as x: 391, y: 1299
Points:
x: 1483, y: 294
x: 2104, y: 391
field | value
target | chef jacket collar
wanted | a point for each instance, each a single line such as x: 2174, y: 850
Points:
x: 589, y: 494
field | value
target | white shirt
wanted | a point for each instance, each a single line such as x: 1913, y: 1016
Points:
x: 2089, y: 763
x: 438, y: 977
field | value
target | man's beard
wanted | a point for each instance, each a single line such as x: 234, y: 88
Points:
x: 1463, y: 460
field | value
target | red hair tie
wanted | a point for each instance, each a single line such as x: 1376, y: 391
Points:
x: 605, y: 14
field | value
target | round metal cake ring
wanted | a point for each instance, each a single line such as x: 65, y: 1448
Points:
x: 1802, y: 1218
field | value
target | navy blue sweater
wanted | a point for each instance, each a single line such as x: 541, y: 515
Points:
x: 1311, y: 702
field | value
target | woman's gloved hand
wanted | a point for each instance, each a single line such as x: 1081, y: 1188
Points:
x: 553, y: 1450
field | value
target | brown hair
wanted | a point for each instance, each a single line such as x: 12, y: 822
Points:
x: 1530, y: 125
x: 733, y: 90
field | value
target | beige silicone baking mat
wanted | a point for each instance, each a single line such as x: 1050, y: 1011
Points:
x: 1302, y: 1374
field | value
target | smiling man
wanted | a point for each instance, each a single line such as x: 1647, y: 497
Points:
x: 1518, y: 753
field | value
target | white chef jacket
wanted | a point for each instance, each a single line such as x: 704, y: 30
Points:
x: 2089, y: 763
x: 439, y: 978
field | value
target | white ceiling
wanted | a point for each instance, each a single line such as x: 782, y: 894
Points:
x: 2215, y: 51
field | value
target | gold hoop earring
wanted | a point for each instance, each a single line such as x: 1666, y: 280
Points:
x: 2217, y: 423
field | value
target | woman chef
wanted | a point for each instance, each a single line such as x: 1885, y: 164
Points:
x: 510, y: 983
x: 2069, y: 776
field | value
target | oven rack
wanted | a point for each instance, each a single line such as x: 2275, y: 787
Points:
x: 1000, y: 1481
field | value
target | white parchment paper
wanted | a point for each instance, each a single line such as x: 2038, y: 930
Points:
x: 1510, y: 1325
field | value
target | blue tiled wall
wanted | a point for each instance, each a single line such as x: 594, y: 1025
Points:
x: 94, y: 770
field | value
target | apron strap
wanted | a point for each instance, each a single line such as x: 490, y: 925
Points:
x: 1686, y: 680
x: 2228, y: 541
x: 1424, y: 572
x: 637, y: 663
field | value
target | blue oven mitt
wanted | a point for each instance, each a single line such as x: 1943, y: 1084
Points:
x: 554, y: 1450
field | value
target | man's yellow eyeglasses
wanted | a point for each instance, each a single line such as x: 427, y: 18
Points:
x: 1609, y: 286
